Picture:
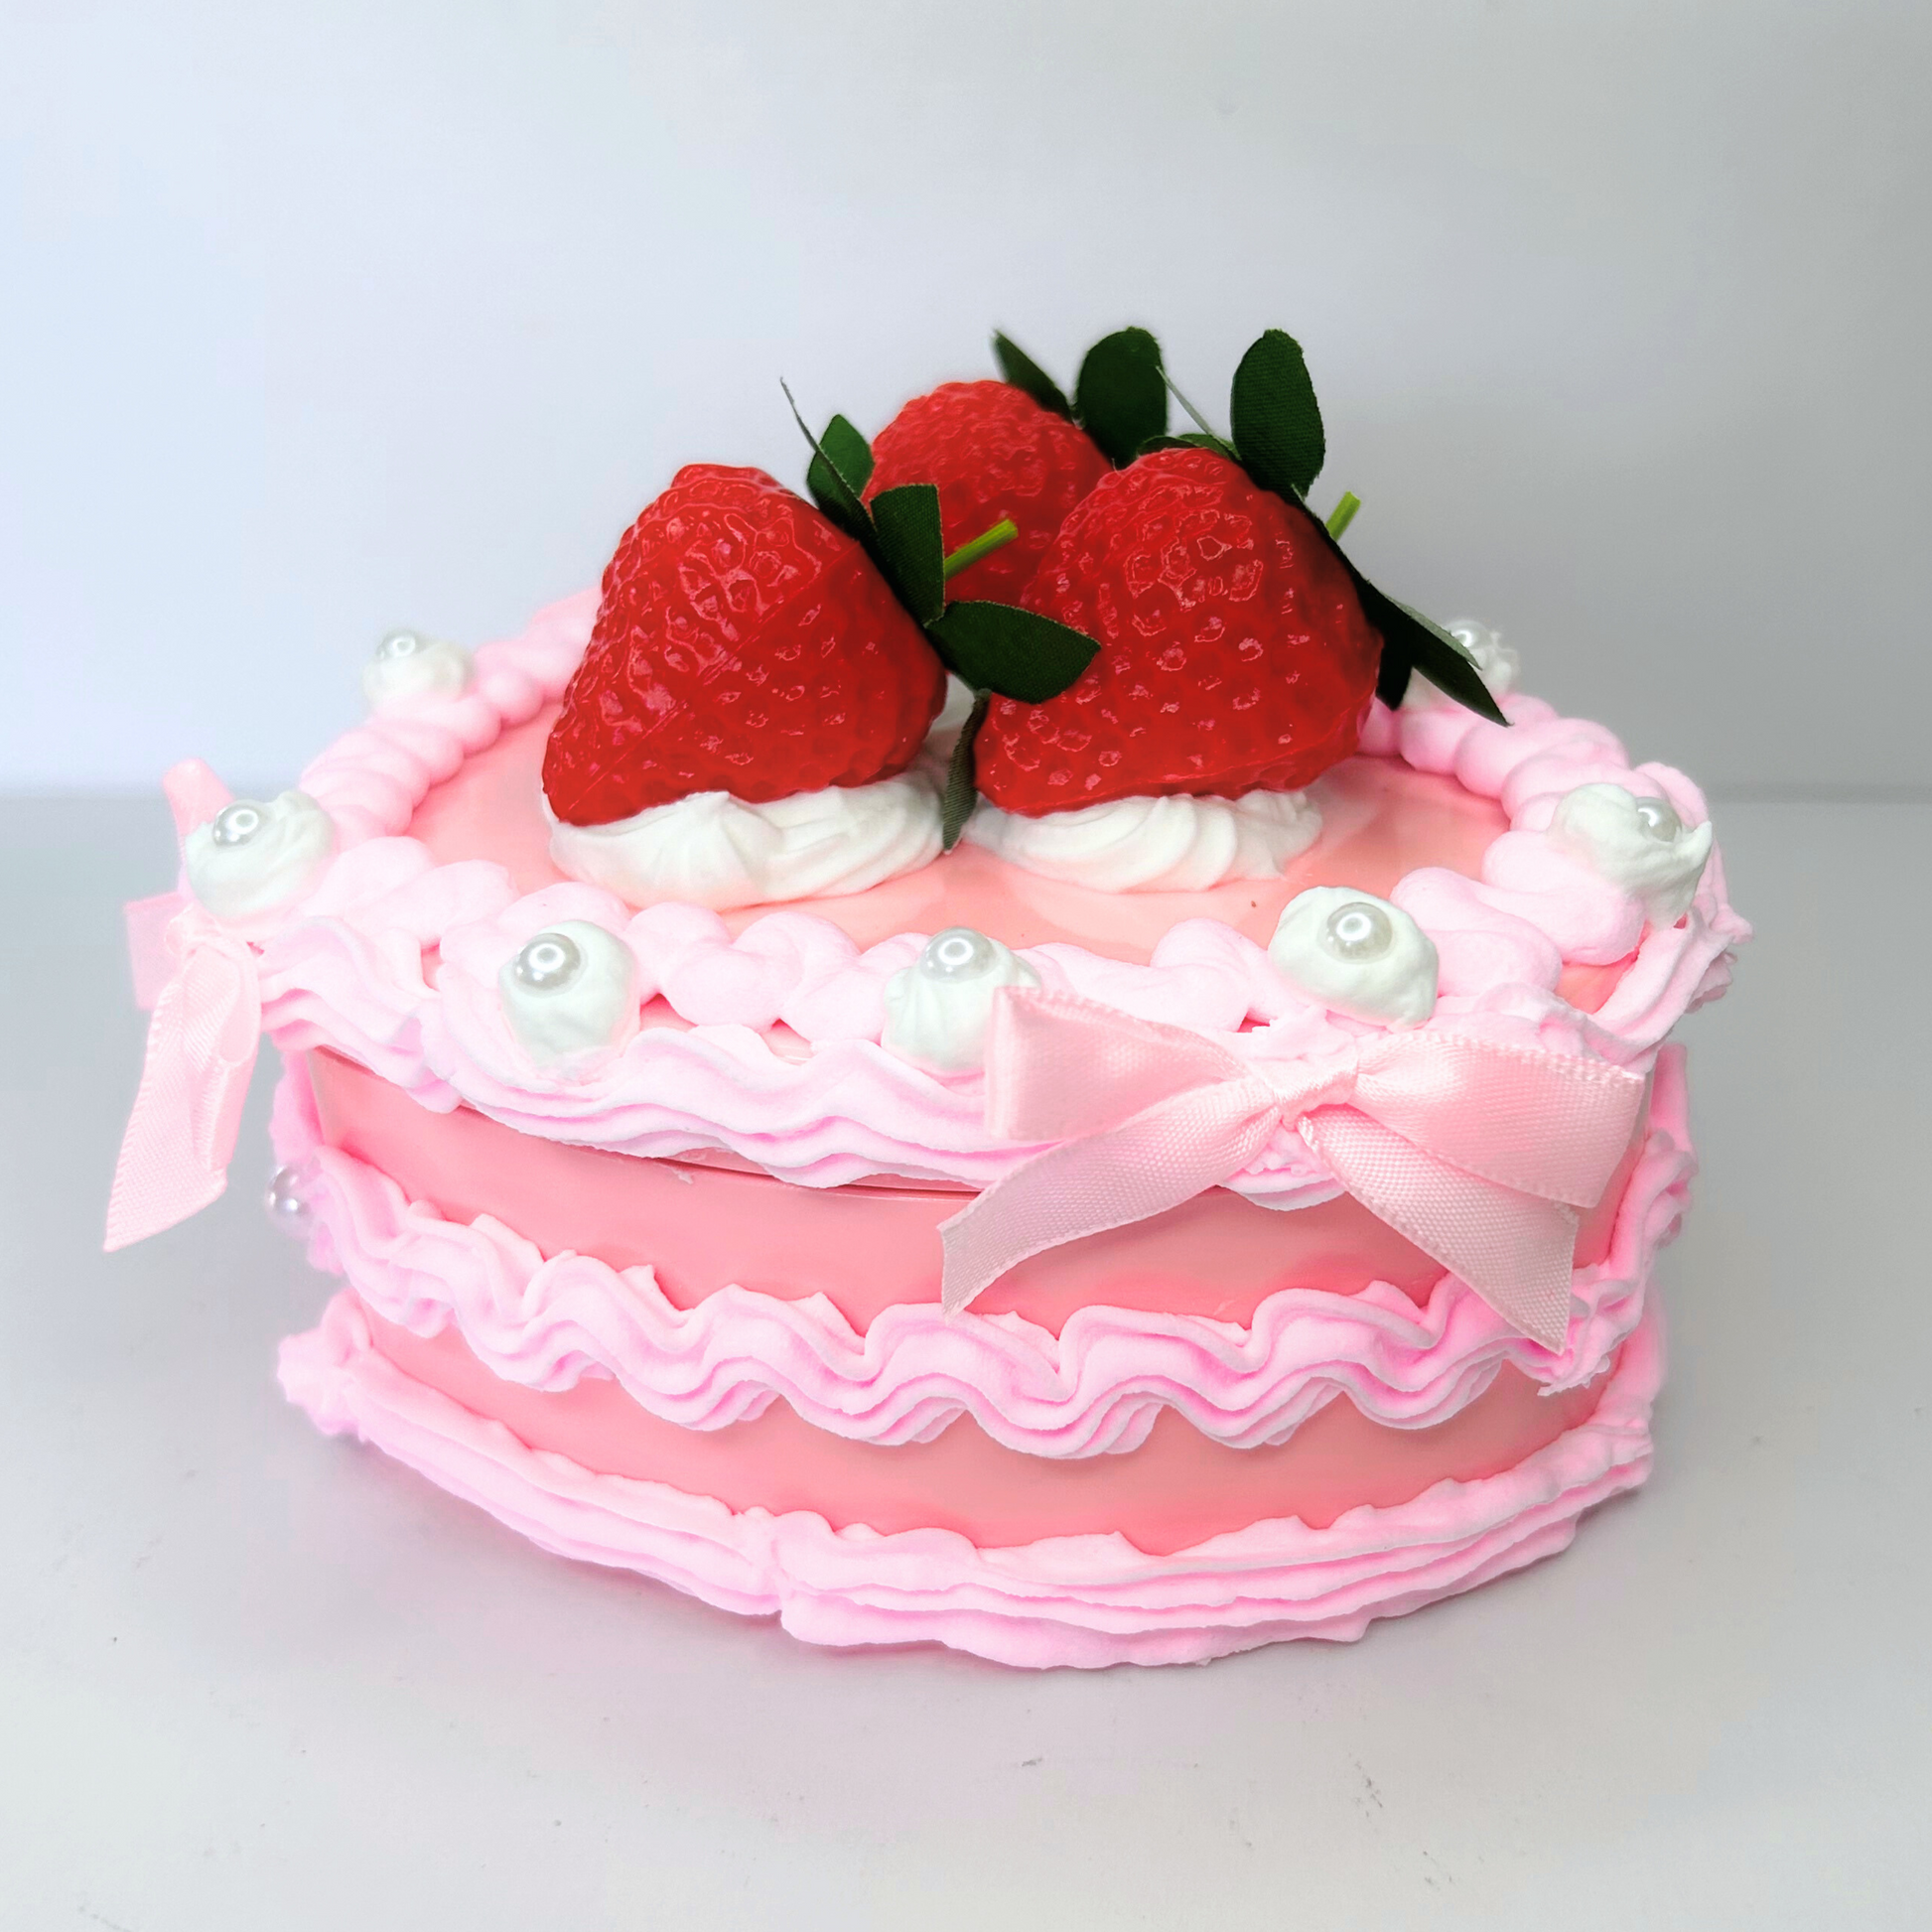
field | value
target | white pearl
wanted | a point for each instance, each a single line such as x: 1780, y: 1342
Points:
x: 958, y: 953
x: 1658, y: 819
x: 399, y: 644
x: 1358, y: 931
x: 549, y: 962
x: 237, y: 823
x: 287, y: 1204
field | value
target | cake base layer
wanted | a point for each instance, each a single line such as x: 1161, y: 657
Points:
x: 1085, y: 1601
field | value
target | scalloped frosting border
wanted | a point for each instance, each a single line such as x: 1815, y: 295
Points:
x: 546, y: 1321
x: 768, y: 1042
x: 1086, y: 1602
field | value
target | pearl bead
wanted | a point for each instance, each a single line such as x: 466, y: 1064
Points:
x: 1358, y: 931
x: 958, y: 953
x: 237, y: 825
x: 287, y: 1204
x: 1658, y: 819
x: 550, y: 962
x: 399, y: 644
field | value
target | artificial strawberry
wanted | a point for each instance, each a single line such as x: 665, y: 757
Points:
x: 1240, y: 647
x: 994, y: 453
x: 1233, y: 653
x: 744, y: 645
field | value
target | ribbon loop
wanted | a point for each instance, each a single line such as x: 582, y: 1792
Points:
x: 1477, y: 1150
x: 203, y: 1039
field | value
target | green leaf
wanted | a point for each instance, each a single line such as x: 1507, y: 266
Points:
x: 1018, y: 653
x: 1120, y: 398
x: 849, y: 453
x: 912, y: 552
x: 1276, y: 421
x: 962, y: 789
x: 1392, y: 678
x: 831, y: 491
x: 1019, y: 368
x: 1410, y: 641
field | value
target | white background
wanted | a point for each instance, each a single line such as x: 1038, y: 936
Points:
x: 319, y: 320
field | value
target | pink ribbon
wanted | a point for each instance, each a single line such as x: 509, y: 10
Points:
x: 200, y: 980
x: 1480, y: 1152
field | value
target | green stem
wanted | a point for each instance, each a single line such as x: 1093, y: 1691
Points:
x: 1343, y: 513
x: 1201, y: 422
x: 1003, y: 533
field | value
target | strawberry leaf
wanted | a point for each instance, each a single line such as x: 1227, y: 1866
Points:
x: 910, y: 549
x: 962, y: 789
x: 1409, y: 643
x: 1018, y: 653
x: 1120, y: 398
x: 1276, y: 421
x: 1392, y: 678
x: 849, y: 453
x: 831, y: 490
x: 1019, y: 369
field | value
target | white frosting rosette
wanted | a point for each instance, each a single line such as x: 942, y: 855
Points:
x: 938, y: 1008
x: 1639, y: 845
x: 1178, y: 844
x: 1357, y: 954
x: 411, y: 668
x: 570, y: 994
x: 718, y: 852
x: 253, y: 859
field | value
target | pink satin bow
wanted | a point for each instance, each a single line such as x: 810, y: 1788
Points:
x: 1480, y: 1152
x: 202, y: 1045
x: 202, y: 1038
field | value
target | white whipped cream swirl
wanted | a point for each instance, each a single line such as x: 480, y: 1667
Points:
x: 1357, y: 954
x: 409, y: 668
x: 1638, y: 845
x: 716, y: 851
x: 1179, y: 844
x: 938, y: 1008
x: 255, y: 858
x: 570, y: 996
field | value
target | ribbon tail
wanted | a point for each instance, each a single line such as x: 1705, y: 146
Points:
x: 1164, y: 1156
x: 1516, y: 1250
x: 202, y: 1046
x: 148, y: 959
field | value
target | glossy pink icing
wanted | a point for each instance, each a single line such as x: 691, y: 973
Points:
x: 1087, y: 1599
x: 722, y: 1349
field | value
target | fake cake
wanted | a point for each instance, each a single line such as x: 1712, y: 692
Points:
x: 1011, y: 1055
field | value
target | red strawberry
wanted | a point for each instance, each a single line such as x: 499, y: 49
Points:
x: 1233, y: 651
x: 993, y: 451
x: 744, y: 645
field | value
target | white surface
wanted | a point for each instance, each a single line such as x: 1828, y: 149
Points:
x: 330, y: 317
x: 255, y: 1678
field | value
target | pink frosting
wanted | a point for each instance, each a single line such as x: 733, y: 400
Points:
x: 1087, y: 1599
x: 760, y: 1035
x: 1094, y: 1388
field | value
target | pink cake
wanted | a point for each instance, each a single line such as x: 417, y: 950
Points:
x: 1070, y: 1273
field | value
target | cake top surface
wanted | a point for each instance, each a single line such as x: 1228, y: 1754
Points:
x: 749, y: 854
